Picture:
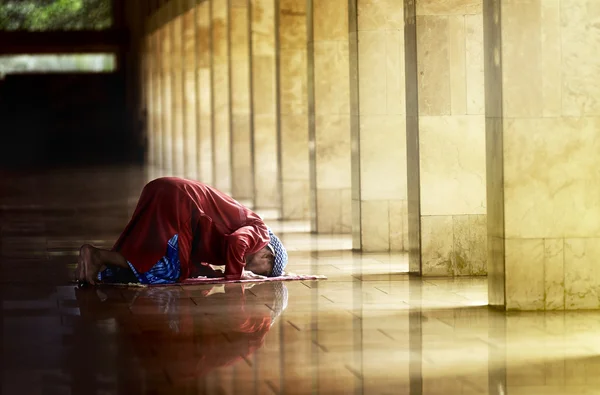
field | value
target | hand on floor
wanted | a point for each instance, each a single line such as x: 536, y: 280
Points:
x: 248, y: 275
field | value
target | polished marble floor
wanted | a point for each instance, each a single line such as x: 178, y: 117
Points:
x: 368, y: 329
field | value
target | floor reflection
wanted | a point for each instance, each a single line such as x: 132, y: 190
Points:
x: 369, y: 329
x: 184, y: 333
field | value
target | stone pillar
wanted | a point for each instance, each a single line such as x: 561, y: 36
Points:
x: 543, y: 139
x: 148, y: 95
x: 265, y: 104
x: 412, y: 137
x: 190, y: 86
x: 329, y: 131
x: 446, y: 128
x: 378, y: 126
x: 221, y: 95
x: 144, y: 82
x: 156, y: 113
x: 155, y: 108
x: 241, y: 124
x: 177, y: 88
x: 204, y: 92
x: 293, y: 110
x: 167, y: 88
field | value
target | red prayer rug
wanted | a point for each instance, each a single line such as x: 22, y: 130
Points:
x: 222, y: 280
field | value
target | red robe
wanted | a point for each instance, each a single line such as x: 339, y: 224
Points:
x: 212, y: 228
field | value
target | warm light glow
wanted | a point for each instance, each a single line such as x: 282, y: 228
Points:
x: 18, y: 64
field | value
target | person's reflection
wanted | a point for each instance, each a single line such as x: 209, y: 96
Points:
x: 188, y: 333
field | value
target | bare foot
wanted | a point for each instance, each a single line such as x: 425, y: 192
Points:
x: 88, y: 267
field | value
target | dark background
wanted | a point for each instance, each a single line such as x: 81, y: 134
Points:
x: 65, y: 119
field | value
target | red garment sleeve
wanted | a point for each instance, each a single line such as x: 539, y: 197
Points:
x: 245, y: 240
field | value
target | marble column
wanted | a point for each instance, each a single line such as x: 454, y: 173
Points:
x: 156, y: 69
x: 241, y: 124
x: 379, y: 206
x: 221, y: 95
x: 177, y: 88
x: 167, y: 88
x: 448, y: 133
x: 148, y: 95
x: 543, y: 138
x: 143, y: 77
x: 293, y: 110
x: 329, y: 130
x: 412, y: 137
x: 190, y: 87
x: 204, y: 92
x: 264, y: 104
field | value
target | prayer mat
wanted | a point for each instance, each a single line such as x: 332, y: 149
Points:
x: 222, y: 280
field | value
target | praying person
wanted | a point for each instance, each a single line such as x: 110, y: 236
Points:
x: 181, y: 229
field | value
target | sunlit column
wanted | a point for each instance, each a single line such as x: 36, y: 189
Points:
x: 293, y: 110
x: 156, y: 114
x: 543, y: 138
x: 177, y: 81
x: 329, y: 106
x: 190, y: 87
x: 378, y: 126
x: 148, y: 93
x: 446, y: 138
x: 221, y: 95
x: 167, y: 103
x: 241, y: 127
x: 204, y: 92
x: 264, y: 104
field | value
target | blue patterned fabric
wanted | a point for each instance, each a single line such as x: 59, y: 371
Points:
x: 166, y: 271
x: 281, y: 257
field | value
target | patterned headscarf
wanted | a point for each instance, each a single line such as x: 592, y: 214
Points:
x: 281, y: 257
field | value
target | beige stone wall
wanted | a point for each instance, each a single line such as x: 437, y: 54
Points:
x: 264, y: 105
x: 545, y: 200
x: 379, y: 128
x: 331, y: 102
x: 204, y: 110
x: 293, y: 113
x: 221, y: 94
x: 241, y: 125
